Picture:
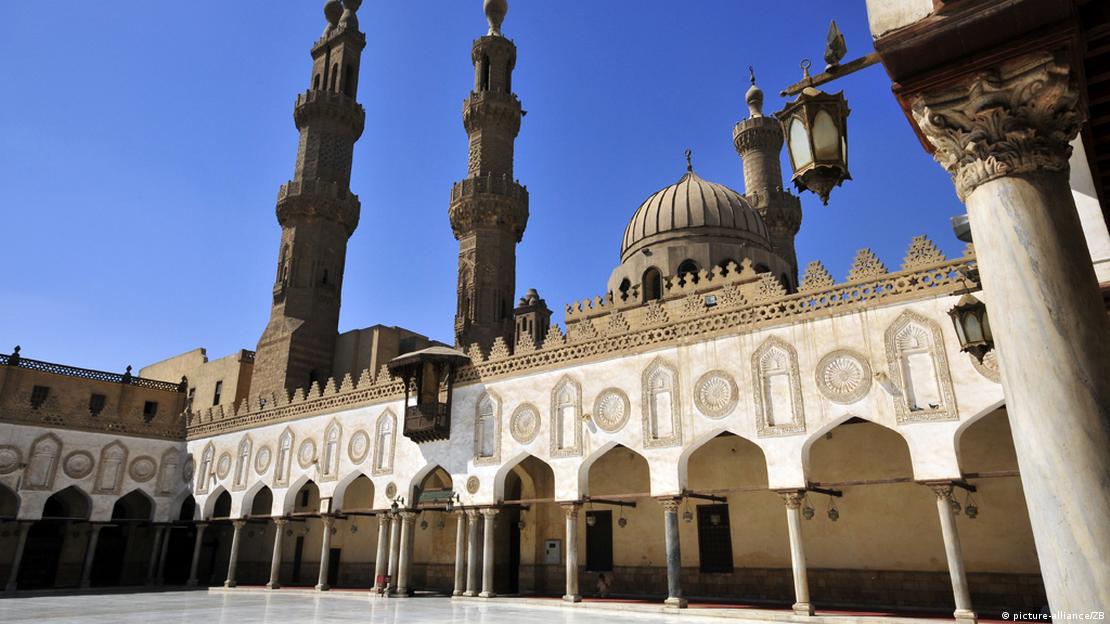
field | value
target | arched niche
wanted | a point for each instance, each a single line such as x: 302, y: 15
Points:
x: 262, y: 503
x: 70, y: 503
x: 9, y: 503
x: 135, y: 505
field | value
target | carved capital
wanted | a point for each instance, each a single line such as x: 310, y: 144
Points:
x: 472, y: 513
x: 238, y: 524
x: 489, y: 512
x: 280, y: 522
x: 328, y: 521
x: 942, y: 490
x: 571, y: 509
x: 793, y: 498
x: 670, y: 504
x: 1013, y: 119
x: 407, y: 516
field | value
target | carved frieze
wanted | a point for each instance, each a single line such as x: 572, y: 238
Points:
x: 359, y: 446
x: 11, y: 458
x: 78, y: 464
x: 142, y: 469
x: 306, y: 454
x: 262, y: 459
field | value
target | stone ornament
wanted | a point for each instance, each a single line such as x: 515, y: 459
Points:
x: 11, y: 458
x: 472, y: 485
x: 660, y: 404
x: 611, y: 410
x: 524, y: 425
x: 42, y: 464
x: 566, y: 418
x: 385, y: 443
x: 988, y: 367
x: 778, y: 390
x: 716, y: 394
x: 78, y: 464
x: 223, y: 465
x: 391, y: 490
x: 358, y: 447
x: 167, y: 473
x: 142, y: 469
x: 188, y: 470
x: 487, y: 430
x: 262, y: 460
x: 306, y: 455
x: 111, y: 468
x: 919, y: 368
x: 843, y: 376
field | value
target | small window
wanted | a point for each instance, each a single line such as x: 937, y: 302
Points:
x: 189, y: 399
x: 38, y: 396
x: 150, y: 409
x: 96, y: 404
x: 652, y: 285
x: 304, y: 497
x: 216, y: 394
x: 688, y: 271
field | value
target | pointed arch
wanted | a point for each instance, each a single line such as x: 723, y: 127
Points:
x: 432, y: 478
x: 284, y: 461
x: 242, y: 462
x: 289, y: 501
x: 566, y: 418
x: 251, y: 496
x: 518, y: 462
x: 71, y: 503
x: 385, y: 443
x: 330, y: 454
x: 217, y: 495
x: 487, y: 429
x: 701, y: 441
x: 353, y: 485
x: 608, y: 450
x: 135, y: 505
x: 111, y: 468
x: 42, y: 464
x: 9, y: 503
x: 661, y: 405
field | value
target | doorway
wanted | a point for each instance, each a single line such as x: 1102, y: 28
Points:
x: 599, y: 541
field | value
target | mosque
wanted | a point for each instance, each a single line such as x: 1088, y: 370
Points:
x: 718, y: 423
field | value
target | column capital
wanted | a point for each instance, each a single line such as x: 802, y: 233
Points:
x: 472, y: 513
x: 1012, y: 119
x: 670, y: 503
x: 489, y: 512
x: 407, y: 515
x: 327, y: 520
x: 792, y: 498
x: 571, y: 509
x: 942, y: 490
x: 280, y: 522
x: 201, y: 525
x: 238, y: 524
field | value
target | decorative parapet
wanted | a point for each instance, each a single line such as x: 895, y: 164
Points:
x: 87, y: 373
x: 317, y: 103
x: 720, y: 302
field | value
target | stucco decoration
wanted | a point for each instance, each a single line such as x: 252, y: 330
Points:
x: 78, y: 464
x: 566, y: 418
x: 662, y: 415
x: 385, y: 443
x: 611, y: 410
x: 391, y: 490
x: 242, y: 463
x: 359, y: 446
x: 188, y: 470
x: 778, y: 389
x: 487, y: 430
x: 843, y: 376
x: 333, y: 438
x: 207, y: 468
x: 10, y: 459
x: 716, y: 394
x: 306, y: 455
x: 223, y: 465
x: 284, y: 458
x: 142, y: 469
x: 42, y: 465
x: 111, y: 468
x: 472, y: 485
x: 262, y: 459
x: 919, y: 367
x: 988, y: 367
x: 525, y: 423
x: 167, y: 473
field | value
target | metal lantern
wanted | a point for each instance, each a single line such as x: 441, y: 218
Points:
x: 807, y: 512
x: 423, y: 525
x: 622, y: 522
x: 973, y: 328
x: 816, y: 132
x: 591, y: 520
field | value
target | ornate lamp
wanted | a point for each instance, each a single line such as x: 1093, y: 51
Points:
x: 973, y: 328
x: 816, y: 129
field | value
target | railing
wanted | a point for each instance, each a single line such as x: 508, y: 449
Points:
x: 87, y: 373
x: 427, y: 422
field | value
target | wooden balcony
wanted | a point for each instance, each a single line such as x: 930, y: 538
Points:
x: 428, y: 422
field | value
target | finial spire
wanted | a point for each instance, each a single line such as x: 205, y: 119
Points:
x: 751, y: 72
x: 754, y: 96
x: 689, y: 160
x: 495, y: 15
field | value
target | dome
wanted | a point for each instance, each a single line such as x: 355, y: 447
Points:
x: 694, y: 208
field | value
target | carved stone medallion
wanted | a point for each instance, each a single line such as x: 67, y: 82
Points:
x: 78, y: 464
x: 223, y: 466
x: 843, y: 376
x: 262, y: 459
x: 611, y: 410
x: 524, y: 424
x: 359, y: 446
x: 188, y: 469
x: 472, y: 485
x: 716, y: 394
x: 307, y: 453
x: 143, y: 469
x: 10, y: 458
x: 391, y: 490
x: 988, y: 367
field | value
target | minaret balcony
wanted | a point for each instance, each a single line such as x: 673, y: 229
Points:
x: 484, y: 109
x: 318, y: 199
x: 318, y: 105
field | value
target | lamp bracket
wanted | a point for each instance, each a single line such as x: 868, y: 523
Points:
x: 605, y: 501
x: 831, y: 73
x: 825, y: 491
x: 708, y: 497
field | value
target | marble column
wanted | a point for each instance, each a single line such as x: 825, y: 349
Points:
x: 200, y: 526
x: 381, y: 558
x: 160, y: 572
x: 674, y: 553
x: 275, y: 560
x: 1004, y: 136
x: 472, y: 553
x: 570, y: 510
x: 404, y: 563
x: 488, y: 514
x: 325, y: 553
x: 233, y: 559
x: 954, y: 553
x: 90, y: 554
x: 460, y: 553
x: 17, y: 557
x: 793, y: 500
x: 394, y: 552
x: 155, y: 550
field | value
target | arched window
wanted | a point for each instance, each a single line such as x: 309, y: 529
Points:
x: 688, y: 271
x: 486, y: 429
x: 331, y: 450
x: 485, y: 73
x: 242, y: 462
x: 113, y: 463
x: 384, y: 442
x: 204, y: 475
x: 167, y: 471
x: 284, y: 458
x: 662, y: 419
x: 332, y: 83
x: 652, y: 284
x: 43, y: 464
x: 316, y: 83
x: 566, y: 417
x: 349, y: 81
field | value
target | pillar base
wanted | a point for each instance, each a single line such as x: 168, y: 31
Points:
x: 469, y: 594
x: 964, y: 616
x: 191, y: 583
x: 10, y: 587
x: 273, y: 585
x: 487, y: 594
x: 803, y: 608
x: 322, y: 587
x: 572, y: 598
x: 675, y: 603
x: 230, y: 584
x: 457, y: 592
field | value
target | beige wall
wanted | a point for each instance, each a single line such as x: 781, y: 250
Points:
x: 233, y: 370
x: 370, y: 348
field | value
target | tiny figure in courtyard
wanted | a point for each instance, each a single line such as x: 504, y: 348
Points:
x: 602, y: 586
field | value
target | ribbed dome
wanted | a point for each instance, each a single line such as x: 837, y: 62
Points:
x: 693, y: 207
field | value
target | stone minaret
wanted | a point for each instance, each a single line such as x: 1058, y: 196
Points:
x: 489, y: 210
x: 758, y: 140
x: 317, y: 213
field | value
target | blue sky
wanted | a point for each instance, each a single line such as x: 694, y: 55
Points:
x: 144, y: 143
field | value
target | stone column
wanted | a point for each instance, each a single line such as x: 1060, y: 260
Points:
x: 472, y: 553
x: 381, y: 558
x: 275, y: 560
x: 570, y: 510
x: 1003, y: 134
x: 233, y: 560
x: 155, y: 550
x: 325, y: 553
x: 954, y: 554
x: 90, y: 554
x: 793, y: 500
x: 460, y: 553
x: 404, y: 564
x: 674, y: 553
x: 394, y: 552
x: 17, y: 557
x: 159, y: 576
x: 488, y: 514
x: 192, y: 582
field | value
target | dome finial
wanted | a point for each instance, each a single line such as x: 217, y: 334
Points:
x: 754, y: 96
x: 495, y: 15
x: 689, y: 160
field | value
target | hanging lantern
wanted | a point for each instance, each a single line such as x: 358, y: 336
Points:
x: 423, y: 525
x: 622, y: 522
x: 715, y: 519
x: 808, y: 511
x: 970, y: 508
x: 520, y: 524
x: 833, y: 513
x: 816, y: 129
x: 973, y: 328
x: 591, y: 520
